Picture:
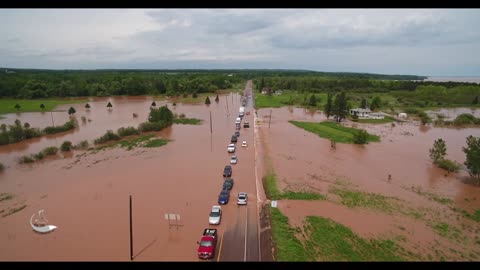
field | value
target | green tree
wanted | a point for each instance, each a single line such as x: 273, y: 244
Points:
x: 71, y: 111
x: 472, y: 152
x: 42, y: 106
x: 475, y: 100
x: 195, y: 95
x: 329, y: 106
x: 26, y: 125
x: 217, y: 99
x: 364, y: 103
x: 207, y: 101
x: 360, y: 137
x: 109, y: 105
x: 87, y: 106
x: 313, y: 100
x: 154, y: 104
x: 17, y: 106
x: 340, y: 106
x: 438, y: 151
x: 162, y: 114
x: 376, y: 103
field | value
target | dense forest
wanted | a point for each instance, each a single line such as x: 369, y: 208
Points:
x: 407, y: 92
x: 34, y: 83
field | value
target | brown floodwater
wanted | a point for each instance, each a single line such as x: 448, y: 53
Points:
x: 303, y: 161
x: 86, y: 194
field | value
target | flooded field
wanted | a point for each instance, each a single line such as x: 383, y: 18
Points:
x: 86, y: 194
x: 302, y: 161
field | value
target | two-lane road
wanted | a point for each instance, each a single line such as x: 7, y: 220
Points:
x: 240, y: 240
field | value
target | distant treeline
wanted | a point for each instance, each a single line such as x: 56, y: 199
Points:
x: 31, y: 84
x: 37, y: 83
x: 333, y: 84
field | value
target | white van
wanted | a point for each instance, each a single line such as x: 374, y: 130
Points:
x: 238, y: 120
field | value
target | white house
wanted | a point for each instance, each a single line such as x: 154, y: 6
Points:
x: 402, y: 115
x: 361, y: 113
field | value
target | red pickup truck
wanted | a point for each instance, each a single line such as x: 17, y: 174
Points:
x: 207, y: 245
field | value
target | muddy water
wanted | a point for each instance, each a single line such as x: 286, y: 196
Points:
x: 452, y: 113
x: 303, y: 161
x: 87, y: 196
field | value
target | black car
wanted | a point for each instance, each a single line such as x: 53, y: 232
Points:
x: 237, y: 133
x: 228, y: 183
x: 234, y: 139
x: 224, y: 196
x: 227, y: 171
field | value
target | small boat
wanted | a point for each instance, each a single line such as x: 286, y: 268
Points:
x: 40, y: 224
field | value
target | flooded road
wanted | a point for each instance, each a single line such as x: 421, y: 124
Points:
x: 302, y: 161
x: 87, y: 196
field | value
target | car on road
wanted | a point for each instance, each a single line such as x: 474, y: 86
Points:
x: 207, y: 244
x: 237, y: 133
x: 224, y: 196
x: 228, y: 183
x: 215, y: 215
x: 244, y: 144
x: 246, y: 124
x: 242, y: 198
x: 233, y: 160
x: 227, y: 171
x: 231, y: 148
x: 234, y: 139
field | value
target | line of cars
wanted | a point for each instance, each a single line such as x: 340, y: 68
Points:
x: 207, y: 244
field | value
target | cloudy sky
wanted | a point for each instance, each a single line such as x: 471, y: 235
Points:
x: 436, y: 42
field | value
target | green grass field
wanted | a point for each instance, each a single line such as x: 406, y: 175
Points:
x: 333, y: 131
x: 187, y: 121
x: 33, y: 105
x: 287, y: 98
x: 327, y: 240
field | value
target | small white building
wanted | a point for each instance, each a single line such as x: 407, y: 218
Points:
x: 376, y: 116
x: 361, y: 113
x: 402, y: 115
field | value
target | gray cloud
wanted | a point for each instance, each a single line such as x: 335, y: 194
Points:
x: 381, y: 41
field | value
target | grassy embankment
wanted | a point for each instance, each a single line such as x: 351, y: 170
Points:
x: 33, y: 105
x: 333, y: 131
x: 326, y: 240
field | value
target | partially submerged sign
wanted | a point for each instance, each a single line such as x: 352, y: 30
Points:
x: 274, y: 204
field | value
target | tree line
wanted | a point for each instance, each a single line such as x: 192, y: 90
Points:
x: 44, y: 84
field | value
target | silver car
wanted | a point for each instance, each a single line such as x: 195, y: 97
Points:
x: 242, y: 198
x: 215, y: 215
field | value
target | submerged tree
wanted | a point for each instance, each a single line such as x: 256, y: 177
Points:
x: 71, y: 111
x: 154, y: 104
x: 438, y: 151
x: 17, y: 106
x: 472, y: 152
x: 109, y: 105
x: 87, y: 106
x: 217, y: 99
x: 42, y: 106
x: 26, y: 125
x: 207, y: 101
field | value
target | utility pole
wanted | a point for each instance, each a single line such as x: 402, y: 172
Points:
x: 51, y: 113
x: 270, y: 119
x: 211, y: 122
x: 226, y: 101
x: 131, y: 231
